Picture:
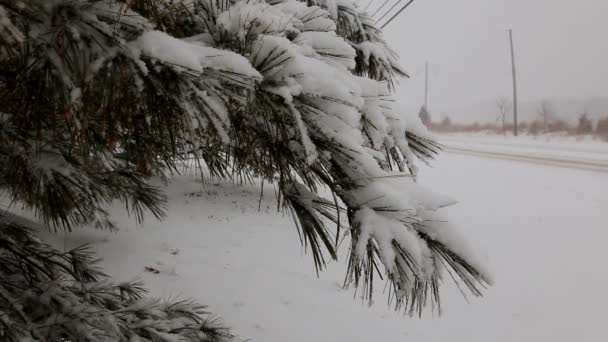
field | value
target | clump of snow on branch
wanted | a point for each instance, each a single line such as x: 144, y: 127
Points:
x: 191, y: 56
x: 252, y: 17
x: 308, y: 18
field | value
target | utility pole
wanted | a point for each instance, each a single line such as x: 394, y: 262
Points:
x: 514, y: 83
x: 426, y: 86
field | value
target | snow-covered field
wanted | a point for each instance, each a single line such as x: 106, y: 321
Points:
x: 542, y: 228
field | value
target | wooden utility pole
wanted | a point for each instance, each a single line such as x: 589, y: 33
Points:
x: 514, y: 83
x: 426, y: 86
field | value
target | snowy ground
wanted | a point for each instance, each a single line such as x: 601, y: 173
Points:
x: 543, y: 229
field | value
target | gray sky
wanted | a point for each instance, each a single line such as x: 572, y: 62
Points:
x: 561, y: 49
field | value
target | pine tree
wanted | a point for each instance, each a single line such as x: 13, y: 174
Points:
x: 98, y: 95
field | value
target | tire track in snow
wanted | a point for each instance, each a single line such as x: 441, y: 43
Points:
x: 588, y: 165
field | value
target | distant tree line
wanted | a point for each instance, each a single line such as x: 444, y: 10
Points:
x: 546, y: 122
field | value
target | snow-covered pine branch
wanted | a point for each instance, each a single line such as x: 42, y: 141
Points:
x: 47, y: 295
x: 99, y: 95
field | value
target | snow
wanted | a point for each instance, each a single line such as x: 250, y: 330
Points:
x: 311, y: 18
x: 373, y: 50
x: 393, y: 230
x: 306, y: 74
x: 377, y: 100
x: 190, y: 54
x: 164, y: 47
x: 250, y: 18
x: 310, y: 149
x: 418, y: 207
x: 333, y: 48
x: 582, y: 148
x: 269, y: 56
x: 233, y: 258
x: 322, y: 80
x: 412, y: 123
x: 399, y: 192
x: 331, y: 6
x: 542, y: 229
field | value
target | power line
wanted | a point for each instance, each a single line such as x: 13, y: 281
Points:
x: 397, y: 14
x: 389, y: 10
x: 381, y: 7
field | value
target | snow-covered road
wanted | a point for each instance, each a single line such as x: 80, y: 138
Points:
x: 542, y: 228
x: 591, y: 156
x: 599, y: 165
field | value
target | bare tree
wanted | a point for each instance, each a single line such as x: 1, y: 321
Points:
x: 504, y: 108
x: 546, y: 113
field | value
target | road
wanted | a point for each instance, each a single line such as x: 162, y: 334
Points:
x: 572, y: 163
x: 571, y: 156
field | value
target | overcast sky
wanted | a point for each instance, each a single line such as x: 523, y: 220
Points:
x: 561, y: 49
